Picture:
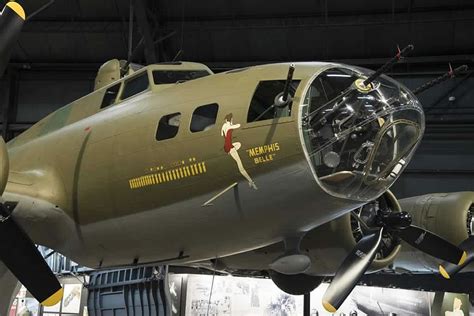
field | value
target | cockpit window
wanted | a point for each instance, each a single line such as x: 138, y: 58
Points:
x: 176, y: 76
x: 110, y: 96
x: 135, y: 85
x: 359, y: 138
x: 262, y: 104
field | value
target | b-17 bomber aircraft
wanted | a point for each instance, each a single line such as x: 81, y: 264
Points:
x: 172, y: 164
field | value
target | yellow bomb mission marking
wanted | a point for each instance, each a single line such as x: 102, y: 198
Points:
x: 263, y: 154
x: 165, y: 176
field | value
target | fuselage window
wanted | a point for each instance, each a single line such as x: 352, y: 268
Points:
x: 168, y: 126
x: 204, y: 117
x: 135, y: 85
x: 176, y: 76
x: 110, y: 96
x: 262, y: 105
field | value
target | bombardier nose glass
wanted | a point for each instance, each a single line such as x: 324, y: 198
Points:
x: 359, y: 138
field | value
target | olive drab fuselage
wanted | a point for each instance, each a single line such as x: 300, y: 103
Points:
x: 96, y: 184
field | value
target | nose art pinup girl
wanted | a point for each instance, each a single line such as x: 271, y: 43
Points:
x: 232, y: 148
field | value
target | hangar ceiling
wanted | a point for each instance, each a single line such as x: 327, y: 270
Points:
x: 228, y: 33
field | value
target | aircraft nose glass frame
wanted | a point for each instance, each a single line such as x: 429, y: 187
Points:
x: 359, y: 139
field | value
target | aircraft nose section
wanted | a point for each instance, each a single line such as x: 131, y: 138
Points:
x: 359, y: 138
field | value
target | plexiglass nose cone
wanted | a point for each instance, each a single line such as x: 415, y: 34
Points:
x: 359, y: 139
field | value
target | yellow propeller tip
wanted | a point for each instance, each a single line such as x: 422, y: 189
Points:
x: 327, y: 306
x: 53, y: 299
x: 443, y: 272
x: 463, y: 259
x: 15, y: 6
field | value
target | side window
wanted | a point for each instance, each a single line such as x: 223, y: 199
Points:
x: 204, y: 117
x: 168, y: 126
x: 261, y: 106
x: 110, y: 96
x: 135, y: 85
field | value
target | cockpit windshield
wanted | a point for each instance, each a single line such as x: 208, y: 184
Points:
x: 359, y: 137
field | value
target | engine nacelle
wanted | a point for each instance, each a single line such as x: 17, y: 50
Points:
x: 326, y: 245
x: 449, y: 215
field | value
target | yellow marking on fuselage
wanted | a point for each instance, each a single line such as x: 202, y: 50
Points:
x: 174, y: 174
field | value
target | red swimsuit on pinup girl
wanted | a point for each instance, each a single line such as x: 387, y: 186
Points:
x: 228, y: 141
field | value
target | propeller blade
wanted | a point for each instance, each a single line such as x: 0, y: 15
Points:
x: 351, y: 270
x: 4, y: 165
x: 447, y: 269
x: 432, y: 244
x: 12, y: 19
x: 23, y: 259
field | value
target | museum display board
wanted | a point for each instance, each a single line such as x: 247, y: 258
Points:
x: 198, y: 295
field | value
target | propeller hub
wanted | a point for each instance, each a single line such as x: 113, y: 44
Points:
x: 396, y: 220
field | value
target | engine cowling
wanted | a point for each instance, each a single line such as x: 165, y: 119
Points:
x: 449, y: 215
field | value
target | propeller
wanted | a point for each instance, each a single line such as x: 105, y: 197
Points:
x: 12, y: 19
x: 433, y: 245
x: 22, y: 258
x: 394, y: 224
x: 17, y: 250
x: 447, y: 269
x: 351, y: 270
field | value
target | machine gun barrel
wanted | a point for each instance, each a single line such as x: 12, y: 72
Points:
x: 289, y: 79
x: 450, y: 74
x: 390, y: 63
